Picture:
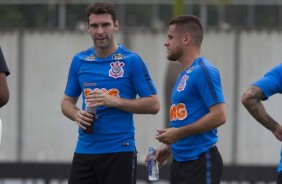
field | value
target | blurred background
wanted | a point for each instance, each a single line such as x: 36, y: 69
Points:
x: 39, y: 38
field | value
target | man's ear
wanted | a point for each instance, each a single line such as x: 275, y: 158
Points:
x: 87, y: 27
x: 187, y: 38
x: 116, y: 25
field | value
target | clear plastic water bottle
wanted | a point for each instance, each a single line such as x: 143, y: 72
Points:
x: 153, y: 168
x: 91, y: 110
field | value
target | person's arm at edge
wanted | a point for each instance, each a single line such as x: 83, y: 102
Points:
x: 4, y: 90
x: 251, y: 99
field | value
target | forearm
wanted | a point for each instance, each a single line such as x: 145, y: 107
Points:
x: 69, y: 108
x: 166, y: 148
x: 251, y: 99
x: 144, y: 105
x: 215, y: 118
x: 4, y: 98
x: 4, y: 91
x: 257, y: 110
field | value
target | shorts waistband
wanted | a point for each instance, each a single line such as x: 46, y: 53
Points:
x: 212, y: 149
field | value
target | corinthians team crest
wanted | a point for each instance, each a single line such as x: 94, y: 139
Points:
x: 116, y: 69
x: 181, y: 86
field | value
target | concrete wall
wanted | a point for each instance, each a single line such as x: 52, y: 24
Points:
x: 34, y: 128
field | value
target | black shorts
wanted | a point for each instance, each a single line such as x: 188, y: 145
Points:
x: 207, y: 169
x: 279, y: 178
x: 104, y: 168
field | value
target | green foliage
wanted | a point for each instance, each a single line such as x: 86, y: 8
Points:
x: 178, y: 7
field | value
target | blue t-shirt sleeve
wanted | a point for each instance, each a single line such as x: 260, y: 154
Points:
x: 271, y: 82
x: 141, y: 78
x: 209, y: 85
x: 73, y: 87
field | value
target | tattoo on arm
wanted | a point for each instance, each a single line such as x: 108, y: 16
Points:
x: 253, y: 104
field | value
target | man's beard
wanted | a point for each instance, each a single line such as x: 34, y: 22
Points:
x: 175, y: 56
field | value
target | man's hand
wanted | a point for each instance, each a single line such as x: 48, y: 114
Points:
x: 167, y: 136
x: 83, y: 119
x: 161, y: 155
x: 278, y: 132
x: 102, y: 98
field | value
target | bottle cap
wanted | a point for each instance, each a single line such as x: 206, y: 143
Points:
x: 151, y: 149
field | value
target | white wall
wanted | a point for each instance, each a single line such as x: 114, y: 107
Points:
x: 48, y: 136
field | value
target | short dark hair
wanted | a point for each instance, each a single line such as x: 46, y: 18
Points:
x: 101, y: 8
x: 190, y: 24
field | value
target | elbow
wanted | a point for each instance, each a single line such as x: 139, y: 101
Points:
x: 63, y: 108
x: 222, y: 119
x: 222, y: 116
x: 245, y: 99
x: 4, y: 100
x: 155, y: 105
x: 155, y: 108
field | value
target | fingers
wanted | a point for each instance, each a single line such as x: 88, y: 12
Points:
x: 157, y: 155
x: 167, y: 136
x: 159, y: 133
x: 95, y: 99
x: 146, y: 161
x: 95, y: 94
x: 164, y: 139
x: 160, y: 130
x: 161, y: 137
x: 83, y: 119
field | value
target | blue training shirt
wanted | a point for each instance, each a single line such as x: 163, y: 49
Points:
x: 123, y: 74
x: 270, y: 84
x: 196, y: 89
